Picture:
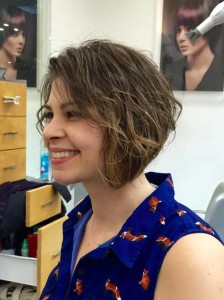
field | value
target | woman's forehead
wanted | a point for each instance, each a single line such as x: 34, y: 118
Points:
x: 59, y: 94
x: 16, y: 20
x: 58, y: 88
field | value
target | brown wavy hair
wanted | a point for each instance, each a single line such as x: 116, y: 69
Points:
x: 120, y: 89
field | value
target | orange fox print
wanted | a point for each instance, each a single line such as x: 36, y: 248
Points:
x: 162, y: 220
x: 170, y: 182
x: 46, y: 297
x: 145, y: 281
x: 153, y: 203
x: 164, y: 242
x: 112, y: 287
x: 56, y: 273
x: 133, y: 238
x: 181, y: 212
x: 202, y: 226
x: 78, y: 287
x: 79, y: 214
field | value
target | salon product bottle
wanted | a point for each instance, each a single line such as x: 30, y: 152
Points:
x: 24, y: 248
x: 44, y: 163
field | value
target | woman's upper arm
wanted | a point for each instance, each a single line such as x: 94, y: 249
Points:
x: 192, y: 269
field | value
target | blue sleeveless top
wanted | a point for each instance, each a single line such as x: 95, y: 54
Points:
x: 127, y: 266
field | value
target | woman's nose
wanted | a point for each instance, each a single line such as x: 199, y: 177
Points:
x: 21, y: 38
x: 181, y: 35
x: 53, y: 130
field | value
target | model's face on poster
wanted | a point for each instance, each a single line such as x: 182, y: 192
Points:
x: 188, y: 67
x: 185, y: 46
x: 18, y: 40
x: 14, y: 43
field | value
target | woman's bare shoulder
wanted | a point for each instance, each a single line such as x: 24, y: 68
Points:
x: 193, y: 269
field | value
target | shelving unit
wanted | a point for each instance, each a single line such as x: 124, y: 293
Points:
x: 41, y: 203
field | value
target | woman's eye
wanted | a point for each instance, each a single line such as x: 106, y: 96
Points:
x: 15, y: 34
x: 187, y: 29
x: 183, y: 29
x: 47, y: 116
x: 72, y: 115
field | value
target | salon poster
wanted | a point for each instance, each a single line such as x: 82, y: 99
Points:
x: 18, y: 40
x: 188, y: 67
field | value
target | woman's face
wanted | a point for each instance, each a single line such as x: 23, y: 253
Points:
x: 74, y: 144
x: 14, y: 43
x: 185, y: 46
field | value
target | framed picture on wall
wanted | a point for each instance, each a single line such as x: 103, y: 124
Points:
x: 188, y: 67
x: 18, y: 40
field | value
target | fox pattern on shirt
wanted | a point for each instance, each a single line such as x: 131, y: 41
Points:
x: 127, y: 266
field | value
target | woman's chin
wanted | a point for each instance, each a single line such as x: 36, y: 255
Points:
x: 62, y: 180
x: 65, y: 180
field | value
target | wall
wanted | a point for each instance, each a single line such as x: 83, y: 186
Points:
x: 195, y: 157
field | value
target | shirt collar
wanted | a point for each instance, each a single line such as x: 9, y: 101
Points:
x: 138, y: 228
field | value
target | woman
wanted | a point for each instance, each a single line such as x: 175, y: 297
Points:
x: 201, y: 68
x: 106, y: 114
x: 13, y: 27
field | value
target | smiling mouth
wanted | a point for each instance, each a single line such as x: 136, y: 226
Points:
x: 64, y: 154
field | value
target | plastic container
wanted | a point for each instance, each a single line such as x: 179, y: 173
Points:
x: 25, y: 248
x: 32, y: 242
x: 44, y: 163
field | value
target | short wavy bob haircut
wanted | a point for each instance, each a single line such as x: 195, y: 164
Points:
x: 120, y: 89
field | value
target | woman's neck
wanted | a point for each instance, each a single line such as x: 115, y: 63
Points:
x: 112, y: 207
x: 197, y: 67
x: 200, y: 60
x: 6, y: 60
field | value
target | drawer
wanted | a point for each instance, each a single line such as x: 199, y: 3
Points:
x: 12, y: 132
x: 35, y: 271
x: 48, y: 252
x: 12, y: 165
x: 12, y: 91
x: 41, y: 204
x: 18, y: 269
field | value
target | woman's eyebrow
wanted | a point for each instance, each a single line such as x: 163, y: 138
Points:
x: 63, y: 106
x: 46, y: 106
x: 67, y: 104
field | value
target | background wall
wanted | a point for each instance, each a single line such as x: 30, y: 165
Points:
x: 195, y: 157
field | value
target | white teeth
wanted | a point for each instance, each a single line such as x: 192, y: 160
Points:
x: 63, y: 154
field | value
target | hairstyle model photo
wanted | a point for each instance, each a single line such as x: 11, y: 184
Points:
x: 196, y: 66
x: 18, y: 42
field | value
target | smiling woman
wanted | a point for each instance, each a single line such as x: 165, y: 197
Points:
x: 13, y: 37
x: 105, y: 114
